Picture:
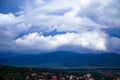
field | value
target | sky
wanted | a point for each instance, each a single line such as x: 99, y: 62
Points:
x: 84, y: 26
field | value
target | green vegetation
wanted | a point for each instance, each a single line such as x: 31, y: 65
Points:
x: 27, y: 73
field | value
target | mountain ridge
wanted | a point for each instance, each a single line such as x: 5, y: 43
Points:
x: 64, y: 59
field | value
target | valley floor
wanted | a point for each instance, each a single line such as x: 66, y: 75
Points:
x: 27, y: 73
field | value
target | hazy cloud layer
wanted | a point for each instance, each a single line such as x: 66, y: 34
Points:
x: 77, y: 23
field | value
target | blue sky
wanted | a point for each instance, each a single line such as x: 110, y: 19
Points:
x: 83, y: 26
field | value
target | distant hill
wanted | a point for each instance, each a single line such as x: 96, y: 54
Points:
x: 62, y: 59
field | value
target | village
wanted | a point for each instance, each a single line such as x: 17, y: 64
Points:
x: 59, y: 76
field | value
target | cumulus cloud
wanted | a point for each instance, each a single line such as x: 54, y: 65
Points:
x: 7, y: 19
x: 58, y: 15
x: 92, y: 40
x: 10, y: 27
x: 6, y: 34
x: 81, y: 21
x: 73, y: 15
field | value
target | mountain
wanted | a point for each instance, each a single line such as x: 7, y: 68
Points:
x: 62, y: 59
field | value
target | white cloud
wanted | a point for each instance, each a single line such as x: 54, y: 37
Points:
x: 43, y: 16
x: 81, y: 21
x: 14, y: 24
x: 39, y: 2
x: 10, y: 28
x: 74, y: 15
x: 7, y: 19
x: 92, y: 40
x: 103, y: 12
